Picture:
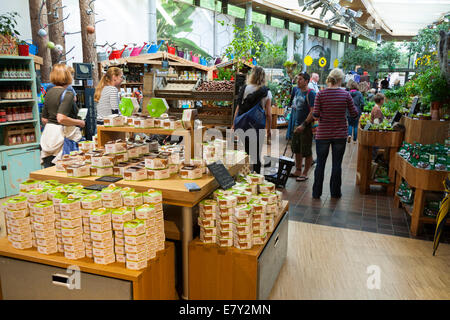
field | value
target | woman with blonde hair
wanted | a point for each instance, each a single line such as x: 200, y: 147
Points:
x: 253, y: 93
x: 330, y: 108
x: 107, y: 93
x: 60, y: 116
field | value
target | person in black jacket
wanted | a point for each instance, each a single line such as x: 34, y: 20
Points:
x: 359, y: 102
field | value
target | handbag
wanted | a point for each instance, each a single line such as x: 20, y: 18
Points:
x: 255, y: 118
x: 69, y: 145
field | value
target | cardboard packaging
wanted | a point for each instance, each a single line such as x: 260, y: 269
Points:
x: 47, y: 250
x: 227, y: 201
x: 70, y: 204
x: 78, y: 239
x: 158, y: 174
x: 114, y: 121
x: 17, y: 214
x: 270, y: 198
x: 152, y: 196
x: 17, y: 203
x: 90, y: 202
x: 243, y: 211
x: 45, y: 234
x: 76, y: 214
x: 133, y: 199
x: 101, y: 227
x: 74, y: 247
x: 19, y: 222
x: 243, y: 197
x: 75, y: 255
x: 119, y: 250
x: 29, y: 185
x: 121, y: 215
x: 120, y: 258
x: 206, y: 223
x: 19, y: 237
x: 134, y: 227
x: 78, y: 170
x: 191, y: 172
x: 225, y: 242
x: 111, y: 193
x: 21, y: 245
x: 71, y: 223
x: 112, y: 204
x: 100, y: 215
x: 134, y: 174
x: 207, y: 239
x: 44, y: 208
x: 105, y: 260
x: 134, y: 240
x: 100, y: 236
x: 36, y: 195
x: 145, y: 211
x: 136, y: 265
x: 254, y: 178
x: 98, y: 252
x: 115, y: 147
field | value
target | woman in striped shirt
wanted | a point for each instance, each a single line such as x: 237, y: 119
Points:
x: 107, y: 93
x: 330, y: 108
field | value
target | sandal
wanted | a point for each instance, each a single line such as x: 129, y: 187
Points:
x: 301, y: 178
x: 293, y: 175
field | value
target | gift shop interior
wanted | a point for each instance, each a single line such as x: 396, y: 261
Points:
x: 224, y: 150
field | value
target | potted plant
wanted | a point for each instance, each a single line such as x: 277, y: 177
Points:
x: 24, y: 48
x: 244, y: 47
x: 8, y: 33
x: 434, y: 89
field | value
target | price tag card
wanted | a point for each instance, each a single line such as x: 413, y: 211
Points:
x: 221, y: 174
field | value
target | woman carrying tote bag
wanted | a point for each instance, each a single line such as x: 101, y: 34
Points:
x: 60, y: 116
x: 254, y: 112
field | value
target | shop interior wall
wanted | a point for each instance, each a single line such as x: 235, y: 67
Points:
x: 127, y: 22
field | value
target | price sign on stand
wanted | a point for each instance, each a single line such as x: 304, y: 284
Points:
x: 222, y: 175
x: 414, y: 106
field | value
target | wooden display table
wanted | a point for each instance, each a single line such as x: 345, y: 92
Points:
x: 390, y: 140
x: 422, y: 180
x: 174, y: 193
x: 217, y: 273
x: 105, y: 134
x: 27, y: 274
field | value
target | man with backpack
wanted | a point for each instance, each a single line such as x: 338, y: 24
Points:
x: 303, y: 104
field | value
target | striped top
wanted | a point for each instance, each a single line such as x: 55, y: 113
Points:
x: 330, y: 107
x: 109, y: 100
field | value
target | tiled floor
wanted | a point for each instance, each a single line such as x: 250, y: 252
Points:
x: 372, y: 213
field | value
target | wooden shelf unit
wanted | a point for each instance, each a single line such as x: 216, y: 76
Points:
x: 390, y: 140
x: 422, y: 180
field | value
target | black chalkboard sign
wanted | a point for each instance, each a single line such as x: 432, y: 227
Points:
x: 415, y: 104
x: 396, y: 118
x: 221, y: 174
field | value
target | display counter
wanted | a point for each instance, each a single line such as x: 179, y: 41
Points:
x: 174, y: 193
x: 388, y: 140
x: 28, y: 274
x: 422, y: 180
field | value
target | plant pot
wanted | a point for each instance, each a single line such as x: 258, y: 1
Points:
x: 24, y: 50
x: 435, y: 107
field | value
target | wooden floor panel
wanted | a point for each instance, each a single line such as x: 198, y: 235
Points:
x: 331, y: 263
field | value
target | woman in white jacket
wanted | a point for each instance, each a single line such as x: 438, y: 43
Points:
x: 60, y: 116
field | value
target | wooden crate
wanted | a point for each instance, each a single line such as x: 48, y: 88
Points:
x: 12, y: 130
x: 425, y: 131
x: 380, y: 138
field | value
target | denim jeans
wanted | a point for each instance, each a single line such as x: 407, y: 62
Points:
x: 337, y: 152
x: 256, y: 162
x: 353, y: 127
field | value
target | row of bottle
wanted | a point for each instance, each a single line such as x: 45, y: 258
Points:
x: 19, y: 113
x: 15, y: 92
x: 15, y: 72
x: 21, y: 138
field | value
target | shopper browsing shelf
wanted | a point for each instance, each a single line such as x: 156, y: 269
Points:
x: 251, y: 94
x: 376, y: 116
x: 358, y: 100
x: 60, y: 116
x: 330, y: 108
x: 302, y: 137
x: 107, y: 93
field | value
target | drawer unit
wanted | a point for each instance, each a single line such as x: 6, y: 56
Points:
x: 29, y: 275
x: 217, y: 273
x: 23, y: 280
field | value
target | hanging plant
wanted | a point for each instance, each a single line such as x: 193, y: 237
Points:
x: 8, y: 24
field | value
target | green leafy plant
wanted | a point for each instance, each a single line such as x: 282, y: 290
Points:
x: 180, y: 14
x: 388, y: 54
x: 8, y: 24
x: 432, y: 85
x: 244, y: 45
x: 224, y: 74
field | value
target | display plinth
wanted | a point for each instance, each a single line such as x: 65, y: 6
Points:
x: 156, y: 282
x: 217, y: 273
x: 389, y: 140
x: 422, y: 180
x: 425, y: 131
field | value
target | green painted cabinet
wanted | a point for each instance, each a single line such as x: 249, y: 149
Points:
x: 18, y: 161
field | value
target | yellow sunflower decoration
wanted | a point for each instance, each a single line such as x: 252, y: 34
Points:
x: 322, y: 62
x: 336, y: 63
x: 308, y: 60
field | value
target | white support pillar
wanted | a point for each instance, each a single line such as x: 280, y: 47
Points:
x: 248, y: 13
x: 152, y: 28
x: 305, y: 44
